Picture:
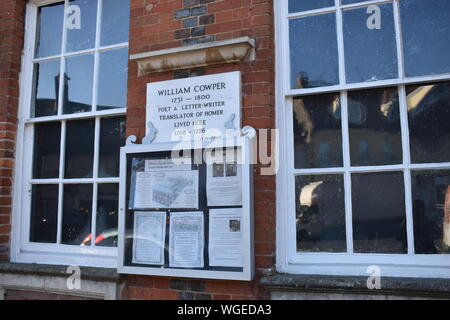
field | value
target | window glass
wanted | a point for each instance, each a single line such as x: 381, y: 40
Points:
x: 44, y: 217
x: 77, y: 209
x: 317, y: 131
x: 426, y: 36
x: 49, y: 30
x: 112, y: 81
x: 320, y: 216
x: 374, y: 127
x: 112, y: 138
x: 107, y: 215
x: 78, y: 84
x: 379, y: 218
x: 431, y: 211
x: 47, y: 142
x: 79, y: 149
x: 429, y: 118
x: 115, y: 22
x: 45, y: 88
x: 370, y: 54
x: 313, y: 51
x: 81, y: 32
x: 305, y: 5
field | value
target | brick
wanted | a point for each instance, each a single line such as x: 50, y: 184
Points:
x: 207, y: 19
x: 190, y: 3
x: 190, y: 22
x: 197, y: 11
x: 182, y: 13
x: 198, y: 31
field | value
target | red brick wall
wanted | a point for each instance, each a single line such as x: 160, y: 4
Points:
x: 12, y: 13
x: 161, y: 24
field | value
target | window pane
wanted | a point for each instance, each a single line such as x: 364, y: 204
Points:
x: 79, y: 149
x: 49, y: 30
x: 313, y: 51
x: 44, y: 213
x: 431, y: 210
x: 81, y: 36
x: 78, y: 83
x: 374, y: 126
x: 77, y: 209
x: 107, y: 215
x: 352, y: 1
x: 47, y: 142
x: 112, y: 81
x: 115, y: 21
x: 304, y: 5
x: 317, y: 131
x: 45, y: 89
x: 426, y: 36
x: 429, y: 118
x: 379, y: 219
x: 370, y: 54
x: 112, y: 138
x: 320, y: 213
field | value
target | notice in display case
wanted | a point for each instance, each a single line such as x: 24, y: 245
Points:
x: 161, y: 186
x: 186, y: 240
x: 225, y: 237
x: 149, y: 234
x: 224, y: 180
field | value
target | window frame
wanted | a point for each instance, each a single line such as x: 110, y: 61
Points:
x: 288, y: 260
x: 22, y: 250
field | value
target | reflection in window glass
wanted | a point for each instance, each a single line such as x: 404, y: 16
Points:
x: 374, y: 126
x: 107, y: 215
x: 77, y: 209
x: 313, y: 51
x: 370, y: 54
x: 352, y: 1
x: 320, y: 213
x: 49, y: 30
x: 112, y: 79
x: 112, y: 138
x: 115, y: 22
x: 79, y: 149
x: 426, y: 36
x: 44, y: 213
x: 46, y: 89
x: 82, y: 36
x: 429, y: 118
x: 431, y: 211
x: 304, y: 5
x: 46, y: 150
x: 379, y: 218
x: 78, y: 83
x: 317, y: 131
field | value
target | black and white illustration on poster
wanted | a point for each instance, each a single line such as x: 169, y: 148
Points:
x: 160, y: 188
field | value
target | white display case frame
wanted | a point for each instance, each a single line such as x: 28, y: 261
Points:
x: 246, y: 141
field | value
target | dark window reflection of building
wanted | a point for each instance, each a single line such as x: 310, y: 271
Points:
x: 429, y: 118
x: 431, y: 211
x: 374, y: 127
x: 320, y: 214
x: 317, y: 131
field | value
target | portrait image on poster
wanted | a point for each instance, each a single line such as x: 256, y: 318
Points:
x: 149, y: 234
x: 224, y: 180
x: 225, y: 237
x: 162, y: 186
x: 186, y: 240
